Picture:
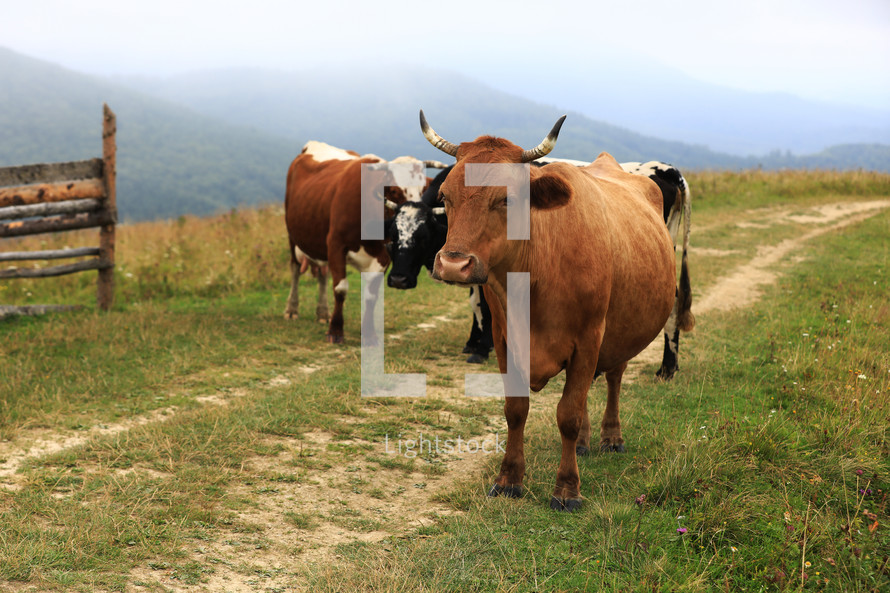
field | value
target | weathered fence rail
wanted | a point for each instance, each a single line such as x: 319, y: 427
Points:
x: 55, y: 197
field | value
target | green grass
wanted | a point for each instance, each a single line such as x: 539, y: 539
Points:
x: 770, y: 447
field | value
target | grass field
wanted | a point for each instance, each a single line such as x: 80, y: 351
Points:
x: 193, y: 440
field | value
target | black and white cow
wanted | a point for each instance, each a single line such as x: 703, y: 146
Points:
x: 416, y: 233
x: 677, y: 210
x: 418, y: 229
x: 481, y: 340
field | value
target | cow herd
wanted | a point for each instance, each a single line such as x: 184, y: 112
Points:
x: 598, y: 253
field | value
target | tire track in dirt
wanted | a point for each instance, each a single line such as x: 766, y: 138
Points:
x: 31, y: 444
x: 42, y: 443
x: 743, y: 286
x: 338, y: 500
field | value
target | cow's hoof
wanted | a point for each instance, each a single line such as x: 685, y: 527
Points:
x: 581, y: 450
x: 508, y: 491
x: 665, y: 374
x: 333, y: 339
x: 610, y: 448
x: 467, y: 349
x: 565, y: 505
x: 291, y: 315
x: 476, y: 359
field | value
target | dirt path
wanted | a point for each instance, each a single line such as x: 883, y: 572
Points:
x: 742, y: 286
x: 284, y: 550
x: 296, y: 526
x: 346, y: 503
x: 415, y: 506
x: 40, y: 443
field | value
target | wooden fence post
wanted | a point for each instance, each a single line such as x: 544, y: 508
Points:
x: 55, y: 197
x: 105, y: 285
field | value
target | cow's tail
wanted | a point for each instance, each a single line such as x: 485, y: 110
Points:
x: 685, y: 318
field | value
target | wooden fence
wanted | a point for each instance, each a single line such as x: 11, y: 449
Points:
x: 49, y: 198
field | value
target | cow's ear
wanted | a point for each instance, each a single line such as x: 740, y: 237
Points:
x: 550, y: 191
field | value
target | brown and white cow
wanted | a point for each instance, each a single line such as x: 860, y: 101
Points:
x: 602, y: 281
x: 323, y: 216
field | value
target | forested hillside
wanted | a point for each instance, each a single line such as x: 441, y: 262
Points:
x: 171, y: 160
x: 207, y: 142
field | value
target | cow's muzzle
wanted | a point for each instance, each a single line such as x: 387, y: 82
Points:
x: 402, y: 282
x: 454, y: 267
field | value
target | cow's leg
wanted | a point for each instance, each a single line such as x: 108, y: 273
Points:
x: 292, y: 308
x: 369, y: 334
x: 570, y: 415
x: 337, y: 268
x: 610, y: 430
x: 486, y: 341
x: 669, y: 364
x: 321, y: 309
x: 509, y: 480
x: 476, y: 319
x: 582, y: 447
x: 481, y: 342
x: 335, y: 327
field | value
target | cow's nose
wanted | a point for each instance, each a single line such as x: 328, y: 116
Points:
x: 453, y: 266
x: 398, y: 281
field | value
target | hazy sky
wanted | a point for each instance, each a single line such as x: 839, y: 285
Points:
x: 822, y: 49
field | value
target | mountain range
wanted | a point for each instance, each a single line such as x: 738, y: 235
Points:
x: 211, y: 141
x: 661, y: 101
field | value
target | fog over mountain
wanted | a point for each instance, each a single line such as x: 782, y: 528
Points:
x: 213, y: 140
x: 663, y: 102
x: 684, y: 111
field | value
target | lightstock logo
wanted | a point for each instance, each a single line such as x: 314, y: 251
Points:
x: 515, y: 383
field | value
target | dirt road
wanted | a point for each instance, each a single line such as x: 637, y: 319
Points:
x: 374, y: 506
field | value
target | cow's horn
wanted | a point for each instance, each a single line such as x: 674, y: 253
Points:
x: 391, y: 205
x: 435, y: 139
x: 544, y: 147
x: 435, y: 164
x: 439, y: 211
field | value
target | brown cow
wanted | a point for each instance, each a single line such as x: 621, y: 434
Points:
x: 601, y: 269
x: 323, y: 215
